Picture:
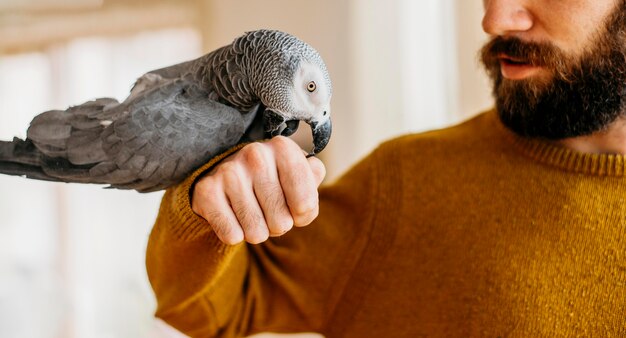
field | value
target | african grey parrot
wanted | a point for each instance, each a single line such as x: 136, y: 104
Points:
x: 177, y: 118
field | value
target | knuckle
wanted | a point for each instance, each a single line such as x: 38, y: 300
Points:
x: 202, y: 196
x: 230, y: 238
x: 306, y: 203
x: 318, y: 168
x: 256, y: 235
x: 252, y: 148
x: 205, y: 187
x: 227, y: 167
x: 282, y: 226
x: 282, y: 143
x: 249, y: 148
x: 256, y: 157
x: 306, y: 215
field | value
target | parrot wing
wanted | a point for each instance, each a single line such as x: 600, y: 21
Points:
x: 155, y: 140
x: 159, y: 77
x: 170, y: 132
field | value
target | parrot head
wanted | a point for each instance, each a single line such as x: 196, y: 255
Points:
x: 306, y: 98
x: 293, y: 86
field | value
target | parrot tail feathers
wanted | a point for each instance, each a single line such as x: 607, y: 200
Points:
x: 21, y: 158
x: 25, y: 170
x: 6, y: 149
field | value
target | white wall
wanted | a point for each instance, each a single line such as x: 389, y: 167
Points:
x: 403, y: 70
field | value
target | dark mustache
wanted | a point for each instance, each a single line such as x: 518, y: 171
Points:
x: 535, y: 53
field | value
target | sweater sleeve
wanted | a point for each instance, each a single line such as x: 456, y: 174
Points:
x: 291, y: 283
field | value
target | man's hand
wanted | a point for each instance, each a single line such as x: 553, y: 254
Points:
x: 262, y: 190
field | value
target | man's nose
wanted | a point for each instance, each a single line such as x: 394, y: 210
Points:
x: 506, y: 17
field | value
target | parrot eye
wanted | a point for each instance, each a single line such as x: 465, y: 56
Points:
x: 311, y: 86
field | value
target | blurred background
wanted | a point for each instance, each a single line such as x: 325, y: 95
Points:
x: 72, y: 256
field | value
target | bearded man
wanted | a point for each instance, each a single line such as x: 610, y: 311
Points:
x: 512, y: 223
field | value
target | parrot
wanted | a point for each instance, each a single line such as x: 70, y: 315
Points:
x: 177, y: 118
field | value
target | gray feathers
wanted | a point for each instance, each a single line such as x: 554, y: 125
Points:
x: 174, y: 120
x: 158, y: 139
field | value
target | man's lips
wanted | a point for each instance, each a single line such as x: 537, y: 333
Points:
x: 516, y: 68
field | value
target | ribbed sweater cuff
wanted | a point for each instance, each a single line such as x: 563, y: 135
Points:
x: 184, y: 222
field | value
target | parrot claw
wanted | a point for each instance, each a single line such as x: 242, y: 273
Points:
x: 289, y: 128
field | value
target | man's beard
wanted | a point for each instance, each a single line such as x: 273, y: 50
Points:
x: 583, y: 95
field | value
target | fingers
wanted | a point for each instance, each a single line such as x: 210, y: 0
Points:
x: 263, y: 190
x: 298, y: 182
x: 267, y: 189
x: 218, y: 212
x: 227, y: 201
x: 318, y: 168
x: 245, y: 207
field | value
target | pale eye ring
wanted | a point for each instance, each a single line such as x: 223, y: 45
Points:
x: 311, y: 86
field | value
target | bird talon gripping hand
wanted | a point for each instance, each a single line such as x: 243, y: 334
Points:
x: 177, y: 118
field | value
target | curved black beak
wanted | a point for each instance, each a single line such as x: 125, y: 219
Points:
x: 321, y: 135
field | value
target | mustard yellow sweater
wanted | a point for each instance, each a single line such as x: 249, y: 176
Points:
x: 469, y: 231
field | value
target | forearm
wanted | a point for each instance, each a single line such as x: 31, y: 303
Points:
x: 184, y: 267
x: 184, y: 259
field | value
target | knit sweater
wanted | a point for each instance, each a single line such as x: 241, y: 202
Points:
x: 469, y: 231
